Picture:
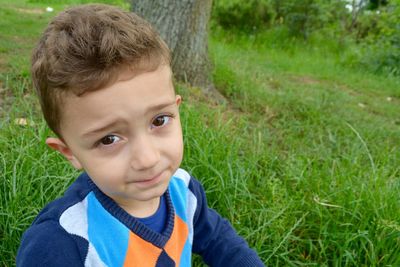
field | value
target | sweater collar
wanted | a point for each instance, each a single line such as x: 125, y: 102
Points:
x: 132, y: 223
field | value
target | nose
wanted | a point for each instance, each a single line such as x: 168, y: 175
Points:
x: 144, y: 153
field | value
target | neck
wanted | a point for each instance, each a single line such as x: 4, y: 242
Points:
x: 141, y: 209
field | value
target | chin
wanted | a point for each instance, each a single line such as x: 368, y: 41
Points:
x: 155, y: 193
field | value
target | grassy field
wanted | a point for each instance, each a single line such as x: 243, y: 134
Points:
x: 303, y: 160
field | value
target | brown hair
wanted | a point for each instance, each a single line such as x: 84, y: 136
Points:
x: 84, y: 49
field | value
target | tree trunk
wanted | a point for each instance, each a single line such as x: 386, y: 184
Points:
x: 183, y: 24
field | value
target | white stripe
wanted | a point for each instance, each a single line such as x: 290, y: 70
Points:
x: 191, y: 209
x: 74, y: 220
x: 183, y: 175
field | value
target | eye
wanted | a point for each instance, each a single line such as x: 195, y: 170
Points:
x: 160, y: 121
x: 109, y: 140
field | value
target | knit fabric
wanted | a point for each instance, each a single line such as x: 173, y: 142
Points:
x: 87, y: 228
x: 156, y: 222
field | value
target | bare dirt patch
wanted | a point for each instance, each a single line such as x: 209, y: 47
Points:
x: 3, y: 64
x: 30, y: 11
x: 2, y: 97
x: 305, y: 80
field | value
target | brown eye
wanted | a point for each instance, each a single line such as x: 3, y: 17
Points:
x: 160, y: 121
x: 109, y: 140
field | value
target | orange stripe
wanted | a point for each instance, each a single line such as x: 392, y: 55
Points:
x: 141, y: 253
x: 177, y: 241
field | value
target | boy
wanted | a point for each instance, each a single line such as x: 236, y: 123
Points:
x: 105, y: 86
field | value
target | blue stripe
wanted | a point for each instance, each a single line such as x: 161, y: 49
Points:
x: 186, y: 256
x: 178, y: 191
x: 109, y: 236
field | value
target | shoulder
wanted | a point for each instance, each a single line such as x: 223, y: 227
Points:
x: 186, y: 180
x: 182, y: 175
x: 184, y: 187
x: 47, y: 240
x: 47, y: 243
x: 183, y: 198
x: 75, y: 193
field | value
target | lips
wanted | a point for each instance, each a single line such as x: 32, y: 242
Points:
x: 149, y: 181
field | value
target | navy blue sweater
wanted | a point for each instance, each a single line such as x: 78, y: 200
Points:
x: 87, y: 228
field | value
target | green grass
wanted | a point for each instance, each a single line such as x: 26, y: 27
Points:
x: 303, y: 160
x: 330, y: 151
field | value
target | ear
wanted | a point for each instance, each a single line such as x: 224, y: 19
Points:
x: 178, y: 100
x: 58, y: 145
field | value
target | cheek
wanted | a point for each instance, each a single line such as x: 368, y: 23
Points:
x: 179, y: 148
x: 107, y: 169
x: 175, y: 147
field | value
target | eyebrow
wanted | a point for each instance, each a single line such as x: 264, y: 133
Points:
x: 112, y: 123
x: 160, y: 106
x: 101, y: 129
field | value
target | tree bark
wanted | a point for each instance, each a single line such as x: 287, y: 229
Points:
x: 183, y: 24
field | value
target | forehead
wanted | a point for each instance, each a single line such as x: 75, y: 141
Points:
x: 132, y: 93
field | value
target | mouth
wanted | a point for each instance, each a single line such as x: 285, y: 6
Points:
x: 149, y: 181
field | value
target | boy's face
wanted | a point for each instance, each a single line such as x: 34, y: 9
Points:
x: 127, y: 137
